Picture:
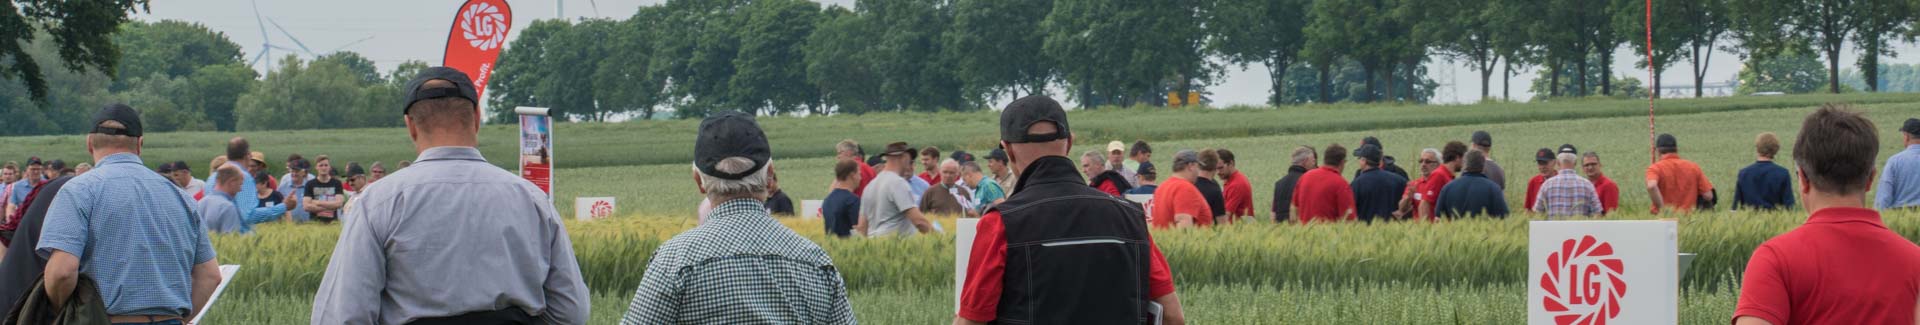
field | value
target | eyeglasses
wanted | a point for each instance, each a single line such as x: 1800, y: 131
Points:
x: 1428, y: 161
x: 1591, y: 165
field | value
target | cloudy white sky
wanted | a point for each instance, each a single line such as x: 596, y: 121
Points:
x: 404, y: 30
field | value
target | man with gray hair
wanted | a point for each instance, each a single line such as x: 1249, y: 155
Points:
x: 1567, y: 194
x: 1429, y: 161
x: 945, y: 197
x: 848, y: 150
x: 1304, y: 158
x: 740, y: 266
x: 1101, y: 176
x: 453, y: 239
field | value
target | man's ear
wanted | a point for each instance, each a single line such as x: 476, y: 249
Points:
x: 413, y: 132
x: 1806, y: 187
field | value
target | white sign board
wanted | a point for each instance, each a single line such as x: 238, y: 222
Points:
x: 593, y: 208
x: 810, y: 209
x: 964, y: 229
x: 1593, y: 272
x: 226, y: 276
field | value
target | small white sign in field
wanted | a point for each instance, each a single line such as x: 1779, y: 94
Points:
x: 226, y: 276
x: 964, y: 229
x: 810, y: 209
x: 594, y: 208
x: 1603, y: 272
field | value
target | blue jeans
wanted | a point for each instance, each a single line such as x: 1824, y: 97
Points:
x: 164, y: 322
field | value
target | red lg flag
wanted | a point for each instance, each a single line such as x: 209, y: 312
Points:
x: 479, y: 32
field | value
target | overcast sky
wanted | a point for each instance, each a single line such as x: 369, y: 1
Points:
x: 404, y: 30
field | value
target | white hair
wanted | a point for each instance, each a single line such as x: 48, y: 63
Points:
x: 1431, y: 151
x: 1303, y: 156
x: 754, y: 185
x: 1568, y: 160
x: 1098, y: 158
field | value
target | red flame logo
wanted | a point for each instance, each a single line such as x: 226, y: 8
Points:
x: 1582, y: 283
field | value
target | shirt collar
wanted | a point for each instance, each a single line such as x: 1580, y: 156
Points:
x: 1569, y: 172
x: 739, y: 208
x: 451, y: 153
x: 1049, y: 169
x: 1330, y: 169
x: 1670, y: 156
x: 1846, y: 215
x: 120, y: 158
x: 1913, y: 147
x: 1296, y: 169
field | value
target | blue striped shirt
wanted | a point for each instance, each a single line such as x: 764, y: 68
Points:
x: 134, y: 235
x: 1900, y: 181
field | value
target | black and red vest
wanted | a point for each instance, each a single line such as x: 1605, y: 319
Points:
x: 1075, y: 255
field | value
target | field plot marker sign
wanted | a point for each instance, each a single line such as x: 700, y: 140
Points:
x: 964, y: 229
x: 594, y: 208
x: 1603, y: 272
x: 536, y: 147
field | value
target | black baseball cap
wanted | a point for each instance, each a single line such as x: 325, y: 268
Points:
x: 1666, y: 141
x: 1568, y: 148
x: 181, y: 165
x: 727, y: 135
x: 1024, y: 112
x: 1370, y: 140
x: 298, y: 164
x: 122, y: 113
x: 962, y: 156
x: 1912, y: 127
x: 57, y: 164
x: 1146, y: 168
x: 1369, y: 152
x: 1543, y: 156
x: 1481, y: 138
x: 166, y: 168
x: 34, y: 160
x: 462, y: 87
x: 354, y: 169
x: 997, y: 154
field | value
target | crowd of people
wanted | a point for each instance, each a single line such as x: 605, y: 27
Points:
x: 456, y: 240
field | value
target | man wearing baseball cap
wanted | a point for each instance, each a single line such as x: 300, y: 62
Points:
x: 740, y: 266
x: 1900, y: 184
x: 1117, y: 162
x: 129, y: 231
x: 1675, y: 184
x: 1544, y: 157
x: 1483, y: 142
x: 453, y: 239
x: 1567, y: 194
x: 1376, y: 191
x: 1098, y: 265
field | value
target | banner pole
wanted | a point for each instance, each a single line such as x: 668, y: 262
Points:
x: 1653, y: 152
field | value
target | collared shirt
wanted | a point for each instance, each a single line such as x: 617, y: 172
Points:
x: 1763, y: 186
x: 217, y: 214
x: 248, y: 199
x: 1175, y: 197
x: 986, y: 192
x: 1680, y: 182
x: 1472, y: 195
x: 885, y: 206
x: 1609, y: 193
x: 1283, y: 193
x: 917, y: 187
x: 740, y: 267
x: 133, y: 234
x: 1376, y: 194
x: 1899, y: 181
x: 866, y: 177
x: 1842, y: 267
x: 1429, y: 191
x: 1323, y: 195
x: 20, y: 190
x: 1568, y: 195
x: 450, y: 235
x: 1238, y: 193
x: 296, y: 188
x: 1533, y: 190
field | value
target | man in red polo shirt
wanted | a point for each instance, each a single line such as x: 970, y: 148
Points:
x: 1843, y: 266
x: 850, y: 151
x: 1322, y: 193
x: 1609, y: 192
x: 1237, y: 191
x: 1429, y: 192
x: 1544, y: 157
x: 1099, y: 264
x: 1177, y: 203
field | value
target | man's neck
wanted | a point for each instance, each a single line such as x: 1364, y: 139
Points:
x: 1764, y: 159
x: 1816, y: 200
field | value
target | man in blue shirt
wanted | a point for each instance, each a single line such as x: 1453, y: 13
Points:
x: 217, y: 213
x: 294, y: 185
x: 842, y: 208
x: 1764, y: 185
x: 1376, y: 191
x: 1472, y: 194
x: 248, y: 199
x: 129, y: 230
x: 32, y: 175
x: 1900, y: 180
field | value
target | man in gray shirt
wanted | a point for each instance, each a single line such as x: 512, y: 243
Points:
x: 217, y: 213
x: 453, y: 239
x: 1484, y: 143
x: 889, y: 207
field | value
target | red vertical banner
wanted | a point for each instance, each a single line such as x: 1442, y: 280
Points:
x: 479, y: 32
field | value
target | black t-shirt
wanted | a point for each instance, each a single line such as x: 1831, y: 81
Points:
x: 325, y: 191
x: 273, y: 197
x: 779, y: 204
x: 1211, y: 190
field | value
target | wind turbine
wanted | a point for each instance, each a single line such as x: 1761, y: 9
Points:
x: 266, y: 43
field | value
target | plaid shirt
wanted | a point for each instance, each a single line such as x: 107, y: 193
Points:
x: 1568, y: 195
x: 740, y: 267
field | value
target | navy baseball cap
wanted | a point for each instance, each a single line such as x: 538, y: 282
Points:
x: 1146, y: 168
x: 462, y: 87
x: 1912, y: 127
x: 1024, y: 112
x: 128, y: 118
x: 728, y: 135
x: 1481, y: 138
x: 1543, y: 156
x: 1666, y: 141
x: 997, y: 154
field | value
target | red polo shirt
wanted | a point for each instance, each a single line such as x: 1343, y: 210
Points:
x: 1238, y: 194
x: 1178, y: 196
x: 1429, y: 190
x: 1609, y: 193
x: 1323, y: 195
x: 866, y: 176
x: 930, y: 176
x: 1842, y: 267
x: 987, y: 268
x: 1533, y: 189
